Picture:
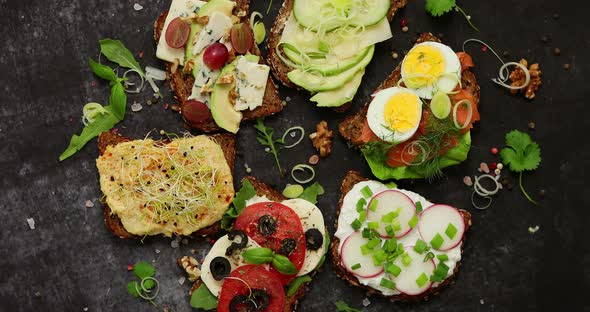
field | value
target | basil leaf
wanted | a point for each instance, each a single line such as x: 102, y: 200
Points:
x: 118, y: 100
x: 296, y: 284
x: 202, y: 298
x: 116, y: 52
x: 312, y: 192
x: 246, y: 192
x: 284, y: 265
x: 103, y: 122
x: 102, y: 71
x: 258, y: 255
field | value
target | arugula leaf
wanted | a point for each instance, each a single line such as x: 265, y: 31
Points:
x: 265, y: 137
x: 521, y: 154
x: 202, y: 298
x: 296, y: 284
x: 143, y: 269
x: 311, y: 193
x: 246, y: 192
x: 132, y: 288
x: 102, y: 71
x: 342, y: 306
x: 439, y: 7
x: 116, y: 52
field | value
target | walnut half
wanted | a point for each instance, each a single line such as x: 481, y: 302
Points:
x: 322, y: 139
x: 518, y: 78
x: 189, y: 265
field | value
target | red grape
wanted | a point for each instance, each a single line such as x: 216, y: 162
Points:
x: 195, y: 112
x: 177, y: 33
x: 242, y: 38
x: 215, y: 56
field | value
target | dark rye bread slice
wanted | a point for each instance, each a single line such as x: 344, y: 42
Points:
x: 112, y: 221
x: 263, y: 189
x: 352, y: 126
x: 350, y: 180
x: 280, y: 69
x: 182, y: 84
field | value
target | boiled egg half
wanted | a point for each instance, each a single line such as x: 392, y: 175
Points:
x: 430, y: 67
x: 394, y: 114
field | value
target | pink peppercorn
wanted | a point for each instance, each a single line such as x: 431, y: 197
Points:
x: 493, y: 166
x: 494, y: 150
x: 403, y: 22
x: 129, y: 267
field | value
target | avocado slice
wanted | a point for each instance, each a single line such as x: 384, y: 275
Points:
x: 222, y: 110
x: 316, y: 83
x: 344, y: 94
x: 329, y: 69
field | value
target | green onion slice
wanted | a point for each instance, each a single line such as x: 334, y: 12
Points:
x: 297, y: 128
x: 302, y: 167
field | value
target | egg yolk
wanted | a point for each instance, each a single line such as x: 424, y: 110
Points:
x: 401, y: 112
x: 422, y: 66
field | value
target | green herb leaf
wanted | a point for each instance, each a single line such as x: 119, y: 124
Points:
x: 312, y: 192
x: 296, y: 284
x: 102, y: 71
x: 246, y: 192
x: 143, y: 269
x: 202, y: 298
x: 342, y: 306
x: 521, y: 152
x: 116, y: 52
x: 132, y: 288
x: 439, y: 7
x: 118, y: 100
x: 283, y: 264
x: 265, y: 137
x: 260, y: 255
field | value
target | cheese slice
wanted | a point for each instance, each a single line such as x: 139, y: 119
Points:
x: 178, y: 8
x: 219, y: 24
x: 251, y: 81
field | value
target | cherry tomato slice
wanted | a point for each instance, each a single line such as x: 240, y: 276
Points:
x: 465, y: 60
x: 242, y: 38
x: 215, y: 55
x: 177, y: 33
x: 257, y: 278
x: 285, y: 224
x: 195, y: 112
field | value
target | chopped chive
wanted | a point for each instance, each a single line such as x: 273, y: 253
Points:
x: 436, y: 278
x: 366, y: 191
x: 441, y: 270
x: 360, y: 205
x: 392, y: 257
x: 366, y: 233
x: 373, y: 205
x: 387, y: 218
x: 373, y: 225
x: 390, y: 245
x: 379, y: 257
x: 356, y: 266
x: 356, y: 224
x: 429, y: 255
x: 394, y: 270
x: 362, y: 216
x: 437, y: 241
x: 420, y: 246
x: 442, y: 257
x: 422, y: 279
x: 365, y: 250
x: 387, y: 283
x: 413, y: 222
x: 396, y: 225
x: 418, y: 207
x: 374, y: 242
x: 400, y: 249
x: 406, y: 259
x: 451, y: 231
x: 390, y: 231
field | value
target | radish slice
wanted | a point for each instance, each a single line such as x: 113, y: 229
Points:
x: 442, y: 221
x: 351, y: 255
x: 387, y: 202
x: 406, y: 280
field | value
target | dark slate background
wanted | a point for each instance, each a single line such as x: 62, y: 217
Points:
x: 71, y: 262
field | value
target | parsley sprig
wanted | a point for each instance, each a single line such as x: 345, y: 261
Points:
x: 440, y: 7
x: 521, y: 154
x: 265, y: 137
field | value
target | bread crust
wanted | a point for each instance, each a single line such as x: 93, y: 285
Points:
x: 280, y: 69
x: 227, y: 142
x: 182, y: 84
x: 349, y: 181
x: 352, y: 126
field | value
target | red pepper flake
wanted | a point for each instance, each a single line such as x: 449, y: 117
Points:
x: 403, y: 22
x: 71, y: 119
x: 493, y: 166
x: 484, y: 48
x: 140, y: 54
x: 93, y: 84
x: 211, y: 242
x: 166, y: 105
x: 115, y: 130
x: 129, y: 267
x: 494, y: 150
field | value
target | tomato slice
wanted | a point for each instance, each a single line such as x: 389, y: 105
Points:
x: 465, y: 60
x: 287, y: 225
x: 462, y: 111
x: 177, y: 33
x: 257, y: 278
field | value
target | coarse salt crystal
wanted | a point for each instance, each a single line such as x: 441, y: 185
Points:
x: 366, y: 302
x: 467, y: 180
x: 174, y: 244
x: 89, y: 204
x: 137, y: 7
x: 157, y: 251
x: 31, y: 223
x: 136, y: 107
x: 181, y: 280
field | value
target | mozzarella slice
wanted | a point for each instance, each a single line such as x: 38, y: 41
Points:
x: 218, y: 250
x: 219, y: 24
x: 311, y: 218
x: 178, y: 8
x: 251, y: 81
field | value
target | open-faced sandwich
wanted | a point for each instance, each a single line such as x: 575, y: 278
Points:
x: 176, y: 187
x: 213, y: 64
x: 418, y: 121
x: 323, y: 46
x: 267, y: 259
x: 394, y: 242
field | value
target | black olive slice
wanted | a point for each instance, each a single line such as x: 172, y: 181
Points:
x: 314, y: 239
x: 236, y: 244
x: 267, y: 225
x: 220, y: 268
x: 287, y: 246
x: 260, y: 298
x: 241, y: 303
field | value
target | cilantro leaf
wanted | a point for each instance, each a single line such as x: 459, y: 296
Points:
x: 202, y: 298
x: 521, y: 152
x: 246, y: 192
x: 132, y: 288
x: 439, y: 7
x: 342, y: 306
x: 143, y: 269
x: 311, y: 193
